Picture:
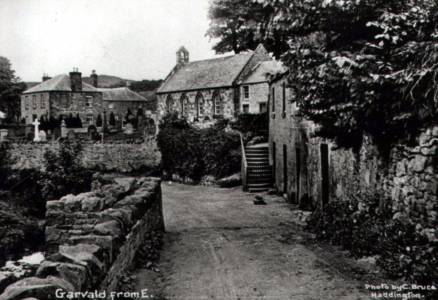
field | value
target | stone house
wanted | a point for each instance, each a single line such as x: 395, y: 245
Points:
x: 63, y: 95
x: 120, y: 100
x: 312, y: 171
x: 207, y: 88
x: 254, y: 88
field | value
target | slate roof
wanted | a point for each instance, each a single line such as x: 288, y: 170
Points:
x: 210, y: 73
x: 263, y: 71
x: 120, y: 94
x: 60, y: 83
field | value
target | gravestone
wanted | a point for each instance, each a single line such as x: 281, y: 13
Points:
x: 71, y: 136
x: 3, y: 134
x: 128, y: 129
x: 91, y: 132
x: 36, y: 123
x: 43, y: 136
x: 63, y: 129
x: 49, y: 132
x: 56, y: 134
x: 30, y: 136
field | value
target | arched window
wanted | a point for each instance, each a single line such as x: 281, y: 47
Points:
x: 184, y: 105
x: 217, y: 104
x: 169, y: 103
x: 199, y: 102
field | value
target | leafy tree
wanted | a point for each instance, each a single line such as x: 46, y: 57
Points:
x: 241, y: 25
x: 99, y: 121
x: 361, y: 66
x: 145, y: 85
x: 112, y: 120
x: 10, y: 89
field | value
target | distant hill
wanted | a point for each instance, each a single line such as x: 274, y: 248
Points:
x: 107, y: 80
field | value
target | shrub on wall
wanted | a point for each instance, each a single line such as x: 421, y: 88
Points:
x: 64, y: 172
x: 192, y: 152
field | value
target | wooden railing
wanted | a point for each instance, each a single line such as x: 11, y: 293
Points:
x: 244, y: 166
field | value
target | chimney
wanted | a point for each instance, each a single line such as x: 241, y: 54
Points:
x: 94, y: 78
x: 46, y: 77
x: 182, y: 56
x: 76, y: 80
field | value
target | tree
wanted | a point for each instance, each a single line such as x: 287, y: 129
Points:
x: 78, y: 121
x: 10, y: 89
x: 99, y: 121
x: 112, y: 120
x: 362, y: 66
x: 241, y: 25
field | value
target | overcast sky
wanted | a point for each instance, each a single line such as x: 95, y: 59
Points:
x: 132, y: 39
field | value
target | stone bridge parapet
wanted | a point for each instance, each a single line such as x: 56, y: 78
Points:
x: 92, y: 238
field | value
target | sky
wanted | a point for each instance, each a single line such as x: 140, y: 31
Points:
x: 131, y: 39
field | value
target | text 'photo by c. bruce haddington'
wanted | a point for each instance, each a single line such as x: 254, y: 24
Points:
x: 219, y: 149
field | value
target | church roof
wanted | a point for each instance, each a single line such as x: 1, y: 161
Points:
x: 210, y: 73
x: 263, y: 71
x: 120, y: 94
x: 60, y: 83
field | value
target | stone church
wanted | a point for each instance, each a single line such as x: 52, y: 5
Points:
x: 208, y: 88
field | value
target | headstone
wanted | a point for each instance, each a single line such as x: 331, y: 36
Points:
x: 140, y: 122
x: 43, y: 136
x: 3, y: 134
x: 56, y: 134
x: 128, y: 129
x: 30, y: 136
x: 36, y: 123
x: 63, y: 129
x: 27, y: 129
x: 71, y: 136
x: 91, y: 130
x: 49, y: 132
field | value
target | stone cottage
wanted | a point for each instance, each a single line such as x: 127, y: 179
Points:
x: 63, y: 95
x: 254, y: 88
x: 207, y: 88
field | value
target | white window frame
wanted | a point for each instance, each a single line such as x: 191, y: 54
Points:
x: 246, y: 91
x: 90, y: 120
x: 111, y: 104
x: 89, y: 101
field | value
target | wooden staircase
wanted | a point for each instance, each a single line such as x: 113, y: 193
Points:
x: 258, y: 172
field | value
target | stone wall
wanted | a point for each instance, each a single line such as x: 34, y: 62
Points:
x: 106, y: 157
x: 92, y: 238
x: 409, y: 178
x: 258, y: 93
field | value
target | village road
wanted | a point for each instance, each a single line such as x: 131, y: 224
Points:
x: 219, y: 245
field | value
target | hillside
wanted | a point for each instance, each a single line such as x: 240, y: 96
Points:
x: 107, y: 80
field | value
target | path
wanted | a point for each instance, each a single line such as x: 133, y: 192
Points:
x: 219, y: 245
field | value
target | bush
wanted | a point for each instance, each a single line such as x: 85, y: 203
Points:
x: 193, y: 153
x: 64, y: 173
x: 366, y: 227
x: 257, y: 124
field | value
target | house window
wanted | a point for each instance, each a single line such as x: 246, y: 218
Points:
x: 43, y: 104
x: 273, y: 99
x: 111, y: 105
x: 184, y: 105
x: 90, y: 120
x: 89, y: 101
x: 34, y: 101
x: 245, y: 108
x: 169, y: 103
x: 199, y: 105
x: 246, y: 91
x: 263, y: 108
x: 217, y: 104
x: 26, y: 102
x: 284, y: 99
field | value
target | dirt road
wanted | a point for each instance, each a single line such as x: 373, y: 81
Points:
x: 219, y: 245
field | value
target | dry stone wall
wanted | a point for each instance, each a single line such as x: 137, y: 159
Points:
x: 102, y: 156
x: 92, y: 238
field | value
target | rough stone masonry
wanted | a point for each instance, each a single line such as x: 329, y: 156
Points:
x: 92, y: 238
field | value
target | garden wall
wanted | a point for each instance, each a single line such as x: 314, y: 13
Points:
x: 113, y: 157
x: 92, y: 238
